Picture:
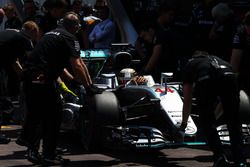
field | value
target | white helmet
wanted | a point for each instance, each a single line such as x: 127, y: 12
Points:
x: 126, y: 75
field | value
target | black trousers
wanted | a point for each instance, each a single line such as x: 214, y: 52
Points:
x: 10, y: 82
x: 226, y: 90
x: 13, y: 84
x: 43, y: 117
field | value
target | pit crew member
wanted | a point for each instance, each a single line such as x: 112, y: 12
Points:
x: 240, y: 58
x: 14, y: 44
x: 57, y: 50
x: 214, y: 78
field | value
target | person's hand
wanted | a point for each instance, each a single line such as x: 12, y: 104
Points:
x: 63, y: 88
x: 182, y: 126
x: 179, y: 135
x: 92, y: 89
x: 140, y: 80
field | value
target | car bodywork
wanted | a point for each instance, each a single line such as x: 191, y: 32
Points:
x: 136, y: 116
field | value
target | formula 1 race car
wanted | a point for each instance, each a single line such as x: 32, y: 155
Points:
x: 134, y: 114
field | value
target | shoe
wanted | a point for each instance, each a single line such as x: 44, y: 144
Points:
x: 4, y: 140
x: 60, y: 150
x: 33, y: 156
x: 242, y: 165
x: 57, y: 160
x: 221, y: 161
x: 239, y: 164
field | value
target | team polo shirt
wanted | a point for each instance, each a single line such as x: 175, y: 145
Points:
x: 52, y: 54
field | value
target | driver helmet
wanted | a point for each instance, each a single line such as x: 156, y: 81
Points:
x: 126, y: 75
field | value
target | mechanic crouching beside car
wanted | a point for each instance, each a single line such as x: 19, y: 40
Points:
x: 55, y: 51
x: 214, y: 79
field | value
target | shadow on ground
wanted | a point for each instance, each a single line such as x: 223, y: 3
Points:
x: 114, y: 157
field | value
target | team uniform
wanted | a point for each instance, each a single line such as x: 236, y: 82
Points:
x: 13, y: 23
x: 173, y: 51
x: 214, y: 79
x: 46, y: 64
x: 242, y: 41
x: 222, y: 44
x: 202, y: 22
x: 13, y: 45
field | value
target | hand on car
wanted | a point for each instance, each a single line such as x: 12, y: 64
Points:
x: 63, y: 88
x: 140, y: 80
x: 179, y: 135
x: 92, y: 90
x: 181, y: 126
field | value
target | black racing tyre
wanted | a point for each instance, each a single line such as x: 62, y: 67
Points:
x: 102, y: 110
x: 244, y: 107
x: 244, y: 110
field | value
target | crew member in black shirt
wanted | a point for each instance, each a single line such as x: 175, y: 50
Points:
x: 202, y: 22
x: 54, y: 11
x: 240, y: 58
x: 145, y: 43
x: 14, y: 44
x: 163, y: 57
x: 12, y: 22
x: 32, y: 13
x: 57, y: 50
x: 214, y: 78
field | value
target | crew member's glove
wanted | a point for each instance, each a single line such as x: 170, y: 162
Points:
x: 63, y: 88
x: 92, y: 89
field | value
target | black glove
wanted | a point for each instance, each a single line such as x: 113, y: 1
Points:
x: 92, y: 89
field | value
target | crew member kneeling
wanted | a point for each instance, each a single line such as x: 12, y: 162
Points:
x: 213, y: 78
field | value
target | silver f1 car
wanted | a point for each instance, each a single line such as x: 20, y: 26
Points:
x: 135, y: 115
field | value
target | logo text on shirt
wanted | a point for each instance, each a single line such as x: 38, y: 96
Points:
x: 53, y: 33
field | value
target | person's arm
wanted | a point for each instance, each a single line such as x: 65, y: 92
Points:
x: 80, y: 72
x: 87, y: 71
x: 63, y: 88
x: 17, y: 67
x: 238, y: 46
x: 154, y: 58
x: 187, y: 102
x: 236, y: 59
x: 213, y: 34
x: 92, y: 35
x: 66, y: 76
x: 139, y: 49
x: 99, y: 35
